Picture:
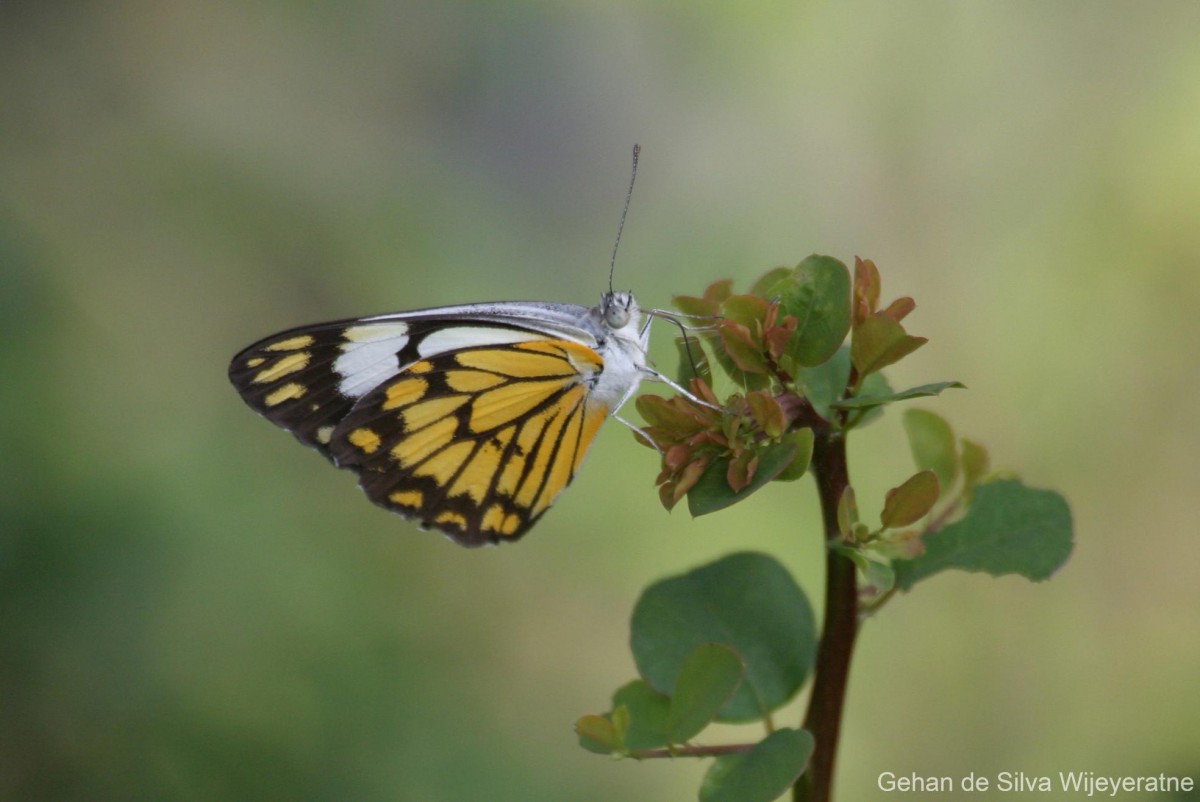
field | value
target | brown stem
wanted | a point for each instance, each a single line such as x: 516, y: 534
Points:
x: 824, y: 715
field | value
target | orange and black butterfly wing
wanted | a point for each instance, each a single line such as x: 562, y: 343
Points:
x: 477, y: 442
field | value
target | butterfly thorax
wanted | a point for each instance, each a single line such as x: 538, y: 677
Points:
x: 616, y: 323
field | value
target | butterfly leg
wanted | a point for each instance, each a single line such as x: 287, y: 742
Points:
x: 639, y: 432
x: 656, y: 376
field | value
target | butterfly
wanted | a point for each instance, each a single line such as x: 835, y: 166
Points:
x: 470, y: 419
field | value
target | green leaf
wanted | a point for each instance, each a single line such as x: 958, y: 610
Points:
x: 817, y: 294
x: 974, y: 462
x: 762, y: 774
x: 1009, y: 529
x: 712, y: 492
x: 880, y: 341
x: 872, y: 567
x: 710, y: 675
x: 847, y: 511
x: 747, y: 601
x: 824, y: 384
x: 875, y: 384
x: 803, y: 440
x: 597, y: 734
x: 932, y: 443
x: 879, y: 575
x: 863, y: 400
x: 852, y: 553
x: 911, y: 501
x: 647, y: 728
x: 762, y: 288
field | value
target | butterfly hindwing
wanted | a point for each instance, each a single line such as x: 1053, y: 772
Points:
x: 476, y: 442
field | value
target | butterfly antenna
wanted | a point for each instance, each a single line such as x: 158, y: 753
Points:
x: 612, y: 265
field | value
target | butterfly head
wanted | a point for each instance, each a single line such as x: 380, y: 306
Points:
x: 617, y: 310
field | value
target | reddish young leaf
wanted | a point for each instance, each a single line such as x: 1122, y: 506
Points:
x: 749, y: 310
x: 741, y: 470
x: 767, y: 413
x: 880, y: 341
x: 899, y: 309
x: 866, y: 289
x: 911, y: 501
x: 741, y: 348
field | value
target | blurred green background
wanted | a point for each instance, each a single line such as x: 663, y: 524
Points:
x: 192, y: 606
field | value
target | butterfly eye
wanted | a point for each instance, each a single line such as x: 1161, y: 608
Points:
x: 616, y: 313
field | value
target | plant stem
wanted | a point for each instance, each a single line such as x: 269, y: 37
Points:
x: 824, y: 715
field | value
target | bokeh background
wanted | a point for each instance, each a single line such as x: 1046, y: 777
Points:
x: 194, y: 607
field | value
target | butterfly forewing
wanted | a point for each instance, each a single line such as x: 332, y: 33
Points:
x: 299, y: 380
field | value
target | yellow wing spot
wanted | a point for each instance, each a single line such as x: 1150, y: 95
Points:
x: 413, y: 449
x: 510, y: 401
x: 541, y: 347
x: 285, y: 393
x: 421, y: 415
x: 405, y: 392
x: 517, y: 364
x: 255, y: 361
x: 500, y: 439
x: 507, y: 484
x: 496, y: 446
x: 493, y: 519
x: 407, y: 498
x: 528, y: 495
x: 282, y: 367
x: 364, y: 439
x: 324, y: 433
x: 585, y: 360
x: 593, y: 415
x: 526, y: 440
x: 496, y: 520
x: 452, y: 519
x: 291, y: 343
x: 582, y: 358
x: 472, y: 381
x: 443, y: 465
x: 476, y: 478
x: 536, y: 470
x: 419, y: 367
x: 375, y: 331
x: 564, y: 458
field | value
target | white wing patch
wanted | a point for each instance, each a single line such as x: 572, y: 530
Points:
x: 368, y: 358
x: 456, y: 337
